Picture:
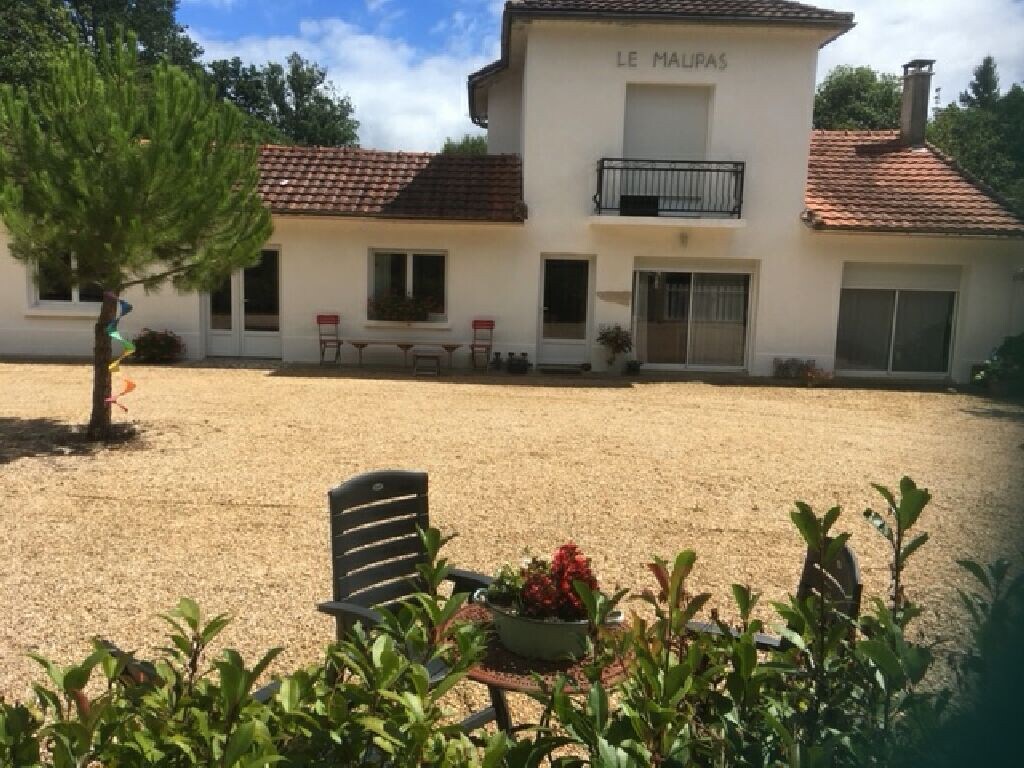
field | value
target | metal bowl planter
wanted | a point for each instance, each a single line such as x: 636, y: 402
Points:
x: 544, y: 639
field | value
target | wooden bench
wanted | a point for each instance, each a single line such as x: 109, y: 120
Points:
x: 405, y: 346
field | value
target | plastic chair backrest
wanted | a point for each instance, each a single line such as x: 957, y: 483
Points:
x: 839, y: 582
x: 375, y: 544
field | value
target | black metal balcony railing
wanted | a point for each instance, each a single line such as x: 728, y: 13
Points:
x: 684, y: 188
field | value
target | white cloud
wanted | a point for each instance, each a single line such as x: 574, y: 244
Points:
x: 956, y: 34
x: 404, y: 98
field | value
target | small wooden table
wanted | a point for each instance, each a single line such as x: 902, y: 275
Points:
x: 426, y: 361
x: 504, y: 670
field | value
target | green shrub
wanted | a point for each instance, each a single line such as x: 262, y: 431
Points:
x: 845, y: 691
x: 158, y: 346
x: 1004, y: 370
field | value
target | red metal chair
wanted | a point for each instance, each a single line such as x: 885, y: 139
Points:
x: 327, y: 330
x: 483, y: 341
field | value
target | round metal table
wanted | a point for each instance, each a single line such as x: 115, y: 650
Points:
x: 504, y: 670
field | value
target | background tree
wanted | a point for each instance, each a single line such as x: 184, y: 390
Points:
x: 153, y: 22
x: 985, y: 133
x: 469, y: 144
x: 139, y: 184
x: 857, y: 99
x: 296, y: 101
x: 31, y: 32
x: 983, y: 90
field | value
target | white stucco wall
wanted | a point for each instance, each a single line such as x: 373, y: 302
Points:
x: 986, y: 309
x: 325, y: 268
x: 30, y: 329
x: 575, y: 92
x: 505, y: 114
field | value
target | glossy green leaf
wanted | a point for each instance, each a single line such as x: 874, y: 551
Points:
x: 805, y: 521
x: 976, y: 571
x: 884, y: 658
x: 916, y: 543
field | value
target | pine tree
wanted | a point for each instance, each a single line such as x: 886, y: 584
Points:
x: 141, y: 183
x: 983, y: 90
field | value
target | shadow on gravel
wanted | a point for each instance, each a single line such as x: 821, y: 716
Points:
x: 24, y: 438
x: 1008, y: 411
x: 534, y: 378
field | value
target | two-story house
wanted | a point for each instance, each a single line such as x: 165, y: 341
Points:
x: 652, y: 164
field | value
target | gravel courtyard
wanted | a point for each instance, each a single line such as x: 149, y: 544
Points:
x: 223, y: 498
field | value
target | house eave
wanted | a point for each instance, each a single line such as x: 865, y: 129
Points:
x: 840, y: 26
x: 816, y: 225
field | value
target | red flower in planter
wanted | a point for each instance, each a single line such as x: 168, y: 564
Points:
x: 540, y: 595
x: 569, y: 565
x: 548, y: 590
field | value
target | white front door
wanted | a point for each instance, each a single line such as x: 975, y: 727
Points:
x: 565, y: 311
x: 245, y: 317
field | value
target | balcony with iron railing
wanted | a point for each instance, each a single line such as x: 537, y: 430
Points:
x: 694, y: 190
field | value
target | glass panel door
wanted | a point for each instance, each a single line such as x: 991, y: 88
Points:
x: 566, y: 282
x: 719, y: 320
x: 684, y: 318
x: 245, y: 312
x: 262, y: 297
x: 864, y: 334
x: 667, y: 317
x: 924, y: 329
x: 220, y: 307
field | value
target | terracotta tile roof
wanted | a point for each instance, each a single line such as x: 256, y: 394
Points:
x: 348, y: 181
x: 760, y: 12
x: 869, y: 181
x: 725, y: 9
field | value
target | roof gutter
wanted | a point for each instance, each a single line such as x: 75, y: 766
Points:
x: 513, y: 12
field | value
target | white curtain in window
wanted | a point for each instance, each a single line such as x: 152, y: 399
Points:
x: 719, y: 321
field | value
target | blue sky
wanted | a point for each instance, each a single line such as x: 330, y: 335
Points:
x: 404, y: 62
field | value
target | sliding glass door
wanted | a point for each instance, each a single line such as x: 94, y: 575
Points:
x: 865, y: 330
x: 894, y: 331
x: 687, y: 318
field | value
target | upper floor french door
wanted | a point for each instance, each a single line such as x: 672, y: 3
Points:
x: 244, y: 318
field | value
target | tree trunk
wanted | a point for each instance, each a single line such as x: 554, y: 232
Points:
x: 99, y: 422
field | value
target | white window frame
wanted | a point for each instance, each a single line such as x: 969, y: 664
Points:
x: 433, y: 318
x: 74, y: 302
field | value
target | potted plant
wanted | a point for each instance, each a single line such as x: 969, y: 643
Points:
x: 539, y: 610
x: 616, y: 340
x: 518, y: 364
x: 400, y: 308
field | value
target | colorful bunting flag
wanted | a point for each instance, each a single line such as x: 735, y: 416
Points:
x: 127, y: 348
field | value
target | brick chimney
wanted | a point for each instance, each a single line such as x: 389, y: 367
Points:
x: 917, y: 86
